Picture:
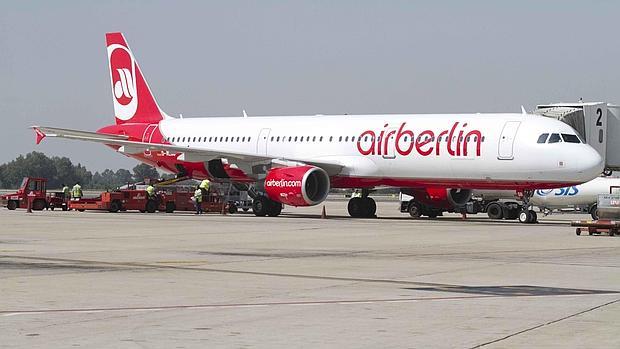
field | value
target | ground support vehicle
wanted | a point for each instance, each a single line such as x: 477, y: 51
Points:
x: 495, y: 208
x: 184, y: 201
x: 34, y: 189
x: 138, y: 200
x: 114, y: 201
x: 608, y: 209
x: 597, y: 227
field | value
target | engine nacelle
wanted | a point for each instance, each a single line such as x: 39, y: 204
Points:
x: 297, y: 186
x: 439, y: 197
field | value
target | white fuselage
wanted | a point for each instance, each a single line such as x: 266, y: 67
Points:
x: 462, y: 150
x: 585, y: 194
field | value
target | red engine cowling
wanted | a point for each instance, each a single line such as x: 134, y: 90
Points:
x: 297, y: 186
x: 439, y: 197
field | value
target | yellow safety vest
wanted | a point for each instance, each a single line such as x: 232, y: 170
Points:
x: 77, y: 191
x: 205, y: 184
x: 66, y: 191
x: 150, y: 190
x: 198, y: 195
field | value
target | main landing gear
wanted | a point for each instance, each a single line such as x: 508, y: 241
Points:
x: 362, y: 207
x: 527, y: 215
x: 263, y: 206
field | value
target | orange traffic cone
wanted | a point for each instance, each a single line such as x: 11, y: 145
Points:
x: 323, y: 214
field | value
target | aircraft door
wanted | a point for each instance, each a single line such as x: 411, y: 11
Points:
x: 388, y: 145
x: 261, y: 142
x: 507, y: 140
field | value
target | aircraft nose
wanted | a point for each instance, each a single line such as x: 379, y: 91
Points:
x: 590, y: 163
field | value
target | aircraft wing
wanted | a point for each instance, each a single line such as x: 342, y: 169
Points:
x: 186, y: 153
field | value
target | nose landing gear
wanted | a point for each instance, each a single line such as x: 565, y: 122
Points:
x: 527, y: 215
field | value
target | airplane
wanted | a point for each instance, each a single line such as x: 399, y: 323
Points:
x: 295, y: 160
x: 583, y: 195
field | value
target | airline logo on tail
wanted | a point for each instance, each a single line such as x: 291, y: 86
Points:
x: 123, y: 75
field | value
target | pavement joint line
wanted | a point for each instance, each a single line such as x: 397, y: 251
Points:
x: 546, y: 324
x: 9, y: 313
x: 259, y: 273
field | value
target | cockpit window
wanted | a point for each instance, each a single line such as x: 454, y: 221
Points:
x: 555, y: 138
x: 542, y: 138
x: 568, y: 138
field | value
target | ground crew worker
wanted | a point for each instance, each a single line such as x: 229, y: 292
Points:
x: 76, y: 192
x: 198, y: 200
x: 66, y: 191
x: 150, y: 191
x: 204, y: 187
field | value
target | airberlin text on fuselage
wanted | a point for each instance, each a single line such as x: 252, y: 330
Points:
x: 454, y: 142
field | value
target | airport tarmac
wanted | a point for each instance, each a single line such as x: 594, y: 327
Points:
x: 102, y: 280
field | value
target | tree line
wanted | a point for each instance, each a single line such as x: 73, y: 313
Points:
x: 59, y: 170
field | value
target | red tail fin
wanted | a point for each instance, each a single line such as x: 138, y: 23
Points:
x: 133, y: 100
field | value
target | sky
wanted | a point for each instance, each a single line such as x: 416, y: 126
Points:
x: 208, y: 58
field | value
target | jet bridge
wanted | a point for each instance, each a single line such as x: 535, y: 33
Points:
x: 597, y: 123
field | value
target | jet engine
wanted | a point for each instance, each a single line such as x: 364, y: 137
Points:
x: 297, y: 186
x: 439, y: 197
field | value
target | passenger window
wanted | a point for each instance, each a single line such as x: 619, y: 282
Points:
x: 482, y: 139
x: 237, y: 139
x: 314, y: 138
x: 321, y: 139
x: 249, y: 138
x: 278, y: 139
x: 568, y: 138
x: 542, y: 138
x: 331, y: 138
x: 301, y: 139
x: 183, y: 139
x: 340, y: 139
x: 346, y: 139
x: 271, y: 138
x: 353, y: 139
x: 308, y: 139
x: 555, y: 138
x: 295, y: 138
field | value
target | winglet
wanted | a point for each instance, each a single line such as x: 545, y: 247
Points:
x: 523, y: 110
x: 38, y: 134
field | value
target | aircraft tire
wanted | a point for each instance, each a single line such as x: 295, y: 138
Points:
x: 370, y: 207
x: 525, y: 216
x: 274, y: 209
x: 356, y: 207
x: 534, y: 217
x: 260, y: 206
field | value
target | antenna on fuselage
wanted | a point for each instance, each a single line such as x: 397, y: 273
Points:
x: 245, y: 115
x: 523, y: 110
x: 180, y: 116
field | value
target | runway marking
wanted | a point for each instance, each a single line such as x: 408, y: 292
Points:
x: 8, y: 313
